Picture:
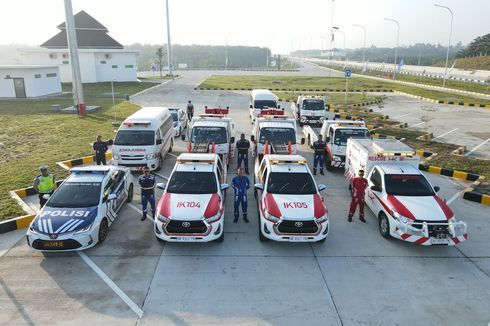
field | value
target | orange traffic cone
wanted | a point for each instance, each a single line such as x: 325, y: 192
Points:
x: 189, y: 147
x: 290, y: 148
x: 266, y: 147
x: 213, y: 148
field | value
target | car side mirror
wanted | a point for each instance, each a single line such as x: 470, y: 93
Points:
x: 251, y: 106
x: 183, y: 137
x: 302, y: 141
x: 161, y: 185
x: 116, y: 124
x: 278, y: 106
x: 259, y: 186
x: 46, y: 196
x: 376, y: 188
x: 111, y: 197
x: 232, y: 140
x: 224, y: 186
x: 437, y: 188
x: 321, y: 187
x: 252, y: 138
x: 159, y: 141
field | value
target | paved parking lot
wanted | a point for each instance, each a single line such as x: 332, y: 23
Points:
x: 355, y: 278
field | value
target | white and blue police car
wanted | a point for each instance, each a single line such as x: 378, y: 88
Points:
x: 79, y: 213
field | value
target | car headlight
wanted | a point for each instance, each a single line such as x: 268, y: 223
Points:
x: 322, y: 218
x: 163, y: 219
x: 33, y: 230
x: 115, y: 156
x: 213, y: 218
x: 85, y: 229
x: 151, y: 156
x: 401, y: 218
x: 271, y: 217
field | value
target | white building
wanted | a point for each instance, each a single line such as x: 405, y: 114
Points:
x: 29, y: 81
x: 101, y: 57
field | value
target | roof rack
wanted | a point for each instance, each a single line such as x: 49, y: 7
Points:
x: 396, y: 151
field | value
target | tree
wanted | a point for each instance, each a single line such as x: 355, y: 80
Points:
x: 160, y: 54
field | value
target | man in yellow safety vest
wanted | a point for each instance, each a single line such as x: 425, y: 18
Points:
x: 44, y: 184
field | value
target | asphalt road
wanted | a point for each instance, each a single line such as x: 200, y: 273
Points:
x: 355, y: 278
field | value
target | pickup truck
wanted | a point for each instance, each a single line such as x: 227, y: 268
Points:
x: 402, y: 199
x: 335, y: 133
x: 309, y: 110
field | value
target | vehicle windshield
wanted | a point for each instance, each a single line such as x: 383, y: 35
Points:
x: 209, y: 135
x: 135, y: 138
x: 277, y: 135
x: 260, y: 104
x: 408, y: 185
x: 76, y: 194
x: 175, y: 115
x: 197, y: 183
x: 341, y: 135
x: 314, y: 105
x: 291, y: 184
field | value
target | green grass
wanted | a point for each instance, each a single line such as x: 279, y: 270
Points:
x: 32, y: 135
x: 306, y: 82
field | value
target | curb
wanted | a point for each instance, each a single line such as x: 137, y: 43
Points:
x: 423, y: 153
x: 449, y: 172
x: 294, y: 90
x: 475, y: 196
x: 477, y: 105
x: 383, y: 136
x: 80, y: 161
x: 153, y: 87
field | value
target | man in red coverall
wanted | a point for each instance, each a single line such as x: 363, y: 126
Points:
x: 359, y: 185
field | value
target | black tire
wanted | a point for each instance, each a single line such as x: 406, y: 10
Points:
x: 262, y: 238
x: 301, y: 124
x: 221, y: 238
x: 103, y: 230
x: 171, y: 146
x: 322, y: 240
x: 160, y: 163
x: 384, y: 225
x: 328, y: 164
x: 255, y: 189
x: 130, y: 193
x: 160, y: 240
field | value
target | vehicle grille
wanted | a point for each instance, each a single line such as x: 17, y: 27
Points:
x: 176, y: 226
x: 132, y: 164
x: 68, y: 244
x: 132, y: 157
x: 288, y: 226
x: 434, y: 227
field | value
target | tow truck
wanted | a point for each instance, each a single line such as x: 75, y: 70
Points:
x: 212, y: 130
x: 399, y: 195
x: 335, y: 133
x: 192, y: 207
x: 309, y: 110
x: 290, y: 207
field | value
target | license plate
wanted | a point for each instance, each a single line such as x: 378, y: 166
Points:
x: 298, y: 239
x: 184, y: 238
x: 53, y: 244
x: 439, y: 241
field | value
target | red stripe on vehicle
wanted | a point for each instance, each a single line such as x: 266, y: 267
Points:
x: 271, y: 205
x: 164, y: 205
x: 384, y: 205
x: 405, y: 236
x: 465, y: 236
x: 399, y: 207
x: 421, y: 240
x: 319, y: 206
x: 213, y: 206
x: 445, y: 208
x: 455, y: 240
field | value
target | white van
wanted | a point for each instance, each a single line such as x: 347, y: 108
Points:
x: 144, y: 139
x: 261, y: 99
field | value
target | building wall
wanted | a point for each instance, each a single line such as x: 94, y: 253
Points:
x: 37, y: 81
x: 116, y: 66
x: 6, y: 86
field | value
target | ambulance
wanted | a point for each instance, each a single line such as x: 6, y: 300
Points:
x: 261, y: 99
x: 402, y: 199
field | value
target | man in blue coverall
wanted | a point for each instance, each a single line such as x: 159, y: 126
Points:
x: 240, y: 184
x: 147, y: 183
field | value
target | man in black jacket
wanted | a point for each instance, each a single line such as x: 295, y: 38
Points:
x: 242, y: 146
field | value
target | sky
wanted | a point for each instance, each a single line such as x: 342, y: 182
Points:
x: 280, y: 25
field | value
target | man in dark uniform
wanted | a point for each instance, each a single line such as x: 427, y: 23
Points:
x: 190, y: 110
x: 240, y: 185
x: 242, y: 147
x: 44, y: 184
x: 100, y: 148
x: 147, y: 183
x: 359, y: 185
x: 319, y: 147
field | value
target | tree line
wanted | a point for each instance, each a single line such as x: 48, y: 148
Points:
x: 480, y: 46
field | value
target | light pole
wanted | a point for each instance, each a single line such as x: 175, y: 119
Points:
x: 364, y: 43
x: 113, y: 100
x: 449, y: 43
x: 337, y: 29
x: 169, y: 45
x: 226, y: 52
x: 397, y: 39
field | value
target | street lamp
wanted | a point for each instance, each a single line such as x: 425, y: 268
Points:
x: 397, y: 39
x: 337, y: 29
x: 449, y: 44
x: 364, y: 43
x: 169, y: 46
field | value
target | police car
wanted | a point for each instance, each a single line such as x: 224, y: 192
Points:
x: 192, y: 207
x: 79, y: 213
x: 289, y: 204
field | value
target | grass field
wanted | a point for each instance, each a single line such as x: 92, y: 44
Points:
x: 33, y: 135
x: 304, y: 82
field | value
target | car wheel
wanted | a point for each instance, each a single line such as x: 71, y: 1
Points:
x: 262, y: 238
x: 384, y: 225
x: 160, y: 240
x: 221, y: 238
x: 328, y: 164
x: 171, y: 146
x: 322, y: 240
x: 160, y: 163
x: 130, y: 193
x: 103, y: 230
x: 180, y: 131
x: 301, y: 124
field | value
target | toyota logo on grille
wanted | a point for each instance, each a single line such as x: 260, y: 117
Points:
x: 53, y: 236
x: 186, y: 224
x: 298, y: 224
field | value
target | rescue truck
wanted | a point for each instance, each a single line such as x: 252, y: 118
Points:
x: 262, y: 99
x: 309, y: 110
x: 208, y: 130
x: 399, y: 195
x: 290, y: 207
x: 192, y: 208
x: 335, y: 133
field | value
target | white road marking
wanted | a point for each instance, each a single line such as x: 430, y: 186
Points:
x: 111, y: 284
x: 401, y: 116
x: 453, y: 198
x: 447, y: 133
x: 418, y: 124
x: 173, y: 155
x: 474, y: 149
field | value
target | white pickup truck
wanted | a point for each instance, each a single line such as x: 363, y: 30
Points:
x: 207, y: 130
x: 402, y: 199
x: 335, y: 133
x: 309, y: 110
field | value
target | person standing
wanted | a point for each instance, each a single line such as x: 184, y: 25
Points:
x: 359, y: 185
x: 243, y: 146
x: 190, y: 110
x: 147, y: 183
x: 44, y: 184
x: 319, y: 158
x: 100, y: 148
x: 240, y: 185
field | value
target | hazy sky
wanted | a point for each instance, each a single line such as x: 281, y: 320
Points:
x: 281, y: 25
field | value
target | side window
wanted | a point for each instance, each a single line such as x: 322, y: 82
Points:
x: 376, y: 178
x: 158, y: 134
x: 264, y: 176
x: 330, y: 134
x: 220, y: 177
x: 113, y: 182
